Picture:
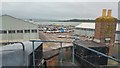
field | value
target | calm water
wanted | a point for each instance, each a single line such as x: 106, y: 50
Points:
x: 61, y: 23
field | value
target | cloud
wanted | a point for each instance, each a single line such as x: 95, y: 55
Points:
x: 57, y: 10
x: 119, y: 10
x: 59, y: 0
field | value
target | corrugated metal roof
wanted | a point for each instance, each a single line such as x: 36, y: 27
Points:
x: 18, y: 19
x: 92, y: 26
x: 86, y: 25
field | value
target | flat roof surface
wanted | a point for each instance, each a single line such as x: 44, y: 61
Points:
x: 49, y: 54
x: 89, y: 43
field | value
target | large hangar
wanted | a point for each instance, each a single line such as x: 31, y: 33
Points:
x: 88, y: 28
x: 17, y: 30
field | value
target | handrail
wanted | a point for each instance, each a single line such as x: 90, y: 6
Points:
x: 15, y: 42
x: 60, y: 50
x: 50, y: 41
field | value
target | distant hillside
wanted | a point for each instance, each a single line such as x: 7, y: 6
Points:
x: 70, y: 20
x: 77, y: 20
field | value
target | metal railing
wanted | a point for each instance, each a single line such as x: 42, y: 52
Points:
x: 73, y: 51
x: 60, y: 49
x: 15, y: 42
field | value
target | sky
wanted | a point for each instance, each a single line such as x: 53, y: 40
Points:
x: 58, y: 10
x: 59, y: 0
x: 119, y: 10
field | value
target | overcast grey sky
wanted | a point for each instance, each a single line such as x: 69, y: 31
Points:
x: 58, y: 10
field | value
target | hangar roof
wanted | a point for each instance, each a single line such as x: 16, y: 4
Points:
x: 88, y: 25
x: 15, y: 23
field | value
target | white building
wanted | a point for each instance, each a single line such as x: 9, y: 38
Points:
x: 87, y: 29
x: 14, y: 29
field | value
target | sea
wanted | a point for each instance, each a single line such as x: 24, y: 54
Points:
x: 60, y: 23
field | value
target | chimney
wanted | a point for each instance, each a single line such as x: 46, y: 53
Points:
x: 104, y: 12
x: 109, y: 13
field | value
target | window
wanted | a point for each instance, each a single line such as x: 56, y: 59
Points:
x: 118, y: 32
x: 91, y: 29
x: 11, y: 31
x: 3, y: 31
x: 34, y: 31
x: 19, y: 31
x: 27, y: 31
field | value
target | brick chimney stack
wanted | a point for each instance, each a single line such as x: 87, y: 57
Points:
x: 105, y: 27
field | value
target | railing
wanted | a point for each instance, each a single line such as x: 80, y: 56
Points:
x: 60, y: 49
x: 73, y: 51
x: 14, y: 42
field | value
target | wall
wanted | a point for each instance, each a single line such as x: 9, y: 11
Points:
x: 52, y: 62
x: 90, y: 33
x: 11, y: 23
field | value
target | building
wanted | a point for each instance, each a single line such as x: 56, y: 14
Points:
x: 101, y: 35
x: 14, y: 29
x: 105, y: 27
x: 104, y: 30
x: 88, y: 29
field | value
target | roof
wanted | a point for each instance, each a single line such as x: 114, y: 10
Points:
x: 49, y: 54
x: 89, y: 43
x: 13, y: 55
x: 28, y: 46
x: 86, y: 25
x: 19, y: 19
x: 89, y: 25
x: 19, y: 23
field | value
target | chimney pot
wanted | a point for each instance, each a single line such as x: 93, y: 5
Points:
x: 104, y: 12
x: 109, y: 13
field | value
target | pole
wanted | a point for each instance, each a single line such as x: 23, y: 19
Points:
x: 61, y: 54
x: 73, y: 60
x: 33, y: 54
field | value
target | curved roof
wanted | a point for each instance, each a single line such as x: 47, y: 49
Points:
x: 18, y: 46
x: 88, y: 25
x: 11, y: 53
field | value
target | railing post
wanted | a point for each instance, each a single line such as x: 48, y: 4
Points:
x: 33, y: 54
x: 60, y: 54
x: 73, y: 50
x: 73, y: 60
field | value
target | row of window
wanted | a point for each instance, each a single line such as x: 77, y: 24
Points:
x: 118, y: 32
x: 17, y: 31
